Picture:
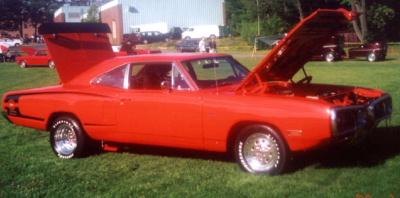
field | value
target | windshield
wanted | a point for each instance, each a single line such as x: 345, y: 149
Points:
x: 219, y: 71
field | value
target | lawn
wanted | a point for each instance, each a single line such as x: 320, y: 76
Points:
x: 28, y: 168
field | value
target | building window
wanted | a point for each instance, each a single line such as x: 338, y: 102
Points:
x: 133, y: 9
x: 74, y: 15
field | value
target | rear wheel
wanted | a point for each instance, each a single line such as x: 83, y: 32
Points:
x: 259, y: 149
x: 23, y: 64
x: 67, y: 138
x: 329, y: 57
x: 51, y: 64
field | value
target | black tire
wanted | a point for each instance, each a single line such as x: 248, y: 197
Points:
x: 329, y: 57
x: 259, y: 149
x: 23, y: 64
x: 17, y: 45
x: 51, y: 64
x: 371, y: 57
x: 68, y: 139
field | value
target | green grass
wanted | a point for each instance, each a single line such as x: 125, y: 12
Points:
x: 28, y: 168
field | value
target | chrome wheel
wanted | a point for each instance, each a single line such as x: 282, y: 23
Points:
x: 371, y: 57
x: 51, y: 64
x: 65, y: 140
x: 259, y: 149
x: 23, y: 64
x: 330, y: 57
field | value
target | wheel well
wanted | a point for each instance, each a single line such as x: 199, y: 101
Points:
x: 233, y: 133
x: 57, y: 115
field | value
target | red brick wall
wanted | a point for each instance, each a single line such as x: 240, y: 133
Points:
x: 113, y: 17
x: 60, y: 18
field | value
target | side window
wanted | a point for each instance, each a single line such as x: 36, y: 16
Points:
x: 113, y: 78
x: 151, y: 76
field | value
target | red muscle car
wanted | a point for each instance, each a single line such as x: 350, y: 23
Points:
x: 37, y: 57
x: 195, y: 101
x: 372, y: 51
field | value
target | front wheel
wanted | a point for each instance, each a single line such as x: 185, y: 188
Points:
x: 372, y: 57
x: 23, y: 64
x: 260, y: 149
x: 67, y: 138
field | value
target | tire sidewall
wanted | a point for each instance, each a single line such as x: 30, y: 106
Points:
x: 278, y: 167
x: 78, y: 151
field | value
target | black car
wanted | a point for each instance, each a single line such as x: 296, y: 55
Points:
x: 189, y: 45
x: 151, y: 36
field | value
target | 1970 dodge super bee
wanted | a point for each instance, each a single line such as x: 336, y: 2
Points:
x: 195, y: 101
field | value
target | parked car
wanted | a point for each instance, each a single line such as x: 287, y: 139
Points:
x: 196, y: 101
x: 132, y: 37
x: 12, y: 42
x: 332, y: 50
x: 206, y: 31
x: 128, y: 48
x: 175, y: 33
x: 372, y: 51
x: 151, y: 37
x: 189, y: 45
x: 36, y: 57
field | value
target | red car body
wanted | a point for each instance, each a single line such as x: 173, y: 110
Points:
x: 195, y: 101
x: 372, y: 51
x: 36, y: 57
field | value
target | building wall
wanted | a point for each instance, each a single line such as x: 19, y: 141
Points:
x: 71, y: 13
x: 113, y: 18
x: 175, y: 13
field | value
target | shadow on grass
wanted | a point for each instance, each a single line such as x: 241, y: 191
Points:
x: 377, y: 147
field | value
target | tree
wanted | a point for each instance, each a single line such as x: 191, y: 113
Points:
x: 93, y: 14
x: 17, y: 13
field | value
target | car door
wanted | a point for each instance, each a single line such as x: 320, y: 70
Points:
x: 39, y: 58
x: 148, y: 114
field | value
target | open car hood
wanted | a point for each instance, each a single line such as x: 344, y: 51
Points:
x: 29, y: 50
x: 297, y: 48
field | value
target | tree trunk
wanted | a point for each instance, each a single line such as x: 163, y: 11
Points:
x: 300, y: 10
x: 360, y: 31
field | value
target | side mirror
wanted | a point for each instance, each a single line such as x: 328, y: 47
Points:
x: 166, y: 85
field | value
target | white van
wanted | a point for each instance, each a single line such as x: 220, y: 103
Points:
x: 207, y: 31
